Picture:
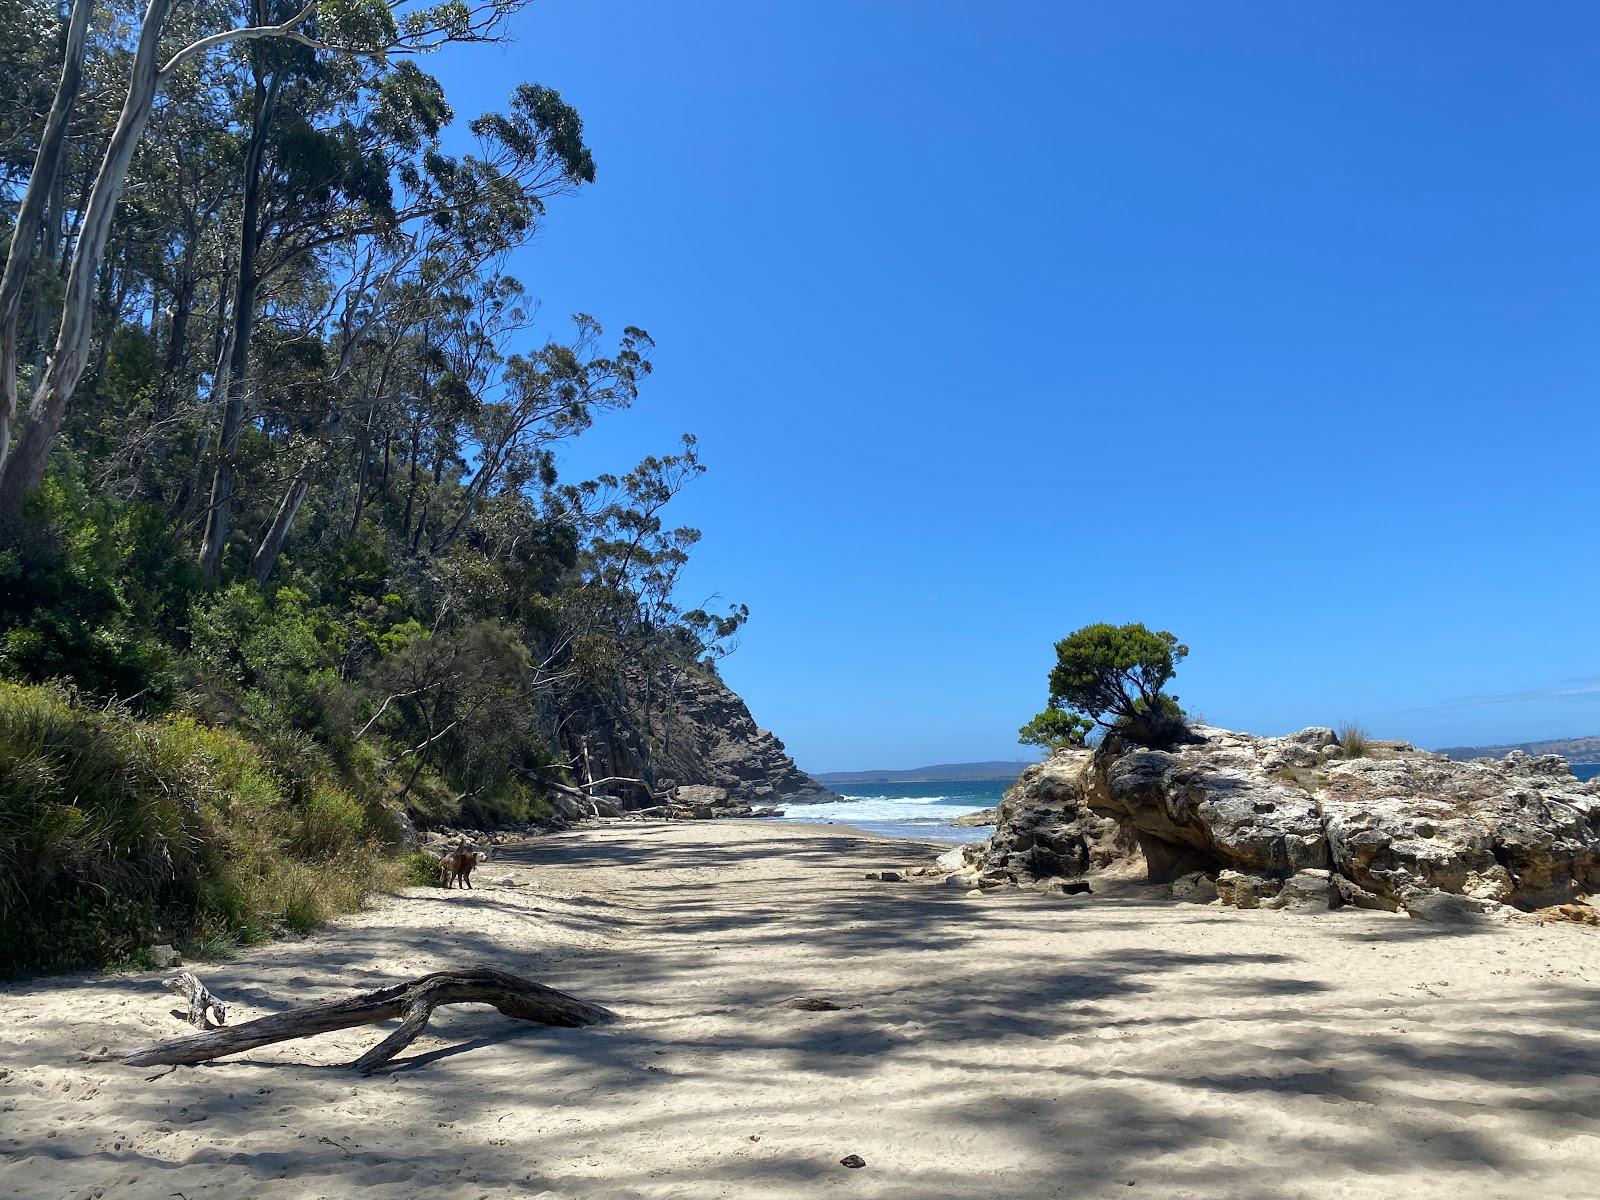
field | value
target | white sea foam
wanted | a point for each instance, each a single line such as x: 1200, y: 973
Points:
x: 927, y: 817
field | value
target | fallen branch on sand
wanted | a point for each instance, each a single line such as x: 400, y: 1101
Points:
x: 202, y: 1004
x: 413, y: 1002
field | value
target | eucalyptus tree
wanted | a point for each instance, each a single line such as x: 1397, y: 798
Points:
x: 388, y: 129
x: 362, y: 28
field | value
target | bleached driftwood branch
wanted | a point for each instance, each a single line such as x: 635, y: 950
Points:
x: 202, y: 1003
x: 413, y: 1002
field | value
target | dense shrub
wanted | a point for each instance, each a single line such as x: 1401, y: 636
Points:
x: 116, y: 831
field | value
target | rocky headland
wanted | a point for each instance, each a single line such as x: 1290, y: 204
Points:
x: 1293, y: 822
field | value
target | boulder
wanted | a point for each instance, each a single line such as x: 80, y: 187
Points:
x: 697, y: 795
x: 976, y: 820
x: 1236, y: 889
x: 1451, y: 908
x: 952, y: 860
x: 1310, y: 889
x: 1290, y: 820
x: 1194, y: 888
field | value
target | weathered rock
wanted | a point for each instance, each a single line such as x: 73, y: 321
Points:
x: 404, y: 832
x: 572, y: 810
x: 697, y: 795
x: 1514, y: 832
x: 1450, y: 908
x: 1579, y: 914
x: 976, y: 820
x: 885, y: 876
x: 1044, y: 827
x: 1194, y: 888
x: 1236, y: 889
x: 1292, y: 818
x: 1217, y: 798
x: 1309, y: 889
x: 715, y: 741
x: 1352, y: 893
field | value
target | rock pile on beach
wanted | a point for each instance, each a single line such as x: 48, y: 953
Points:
x: 1292, y: 822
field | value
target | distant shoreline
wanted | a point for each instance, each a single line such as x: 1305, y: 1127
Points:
x: 994, y: 770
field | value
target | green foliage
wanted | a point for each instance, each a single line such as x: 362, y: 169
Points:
x: 114, y: 828
x: 1353, y: 740
x: 1055, y: 729
x: 422, y: 869
x: 87, y: 590
x: 1113, y: 676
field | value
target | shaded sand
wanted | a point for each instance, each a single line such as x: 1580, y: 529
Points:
x: 1011, y: 1045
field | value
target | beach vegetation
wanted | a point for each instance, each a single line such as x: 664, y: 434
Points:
x: 1353, y: 740
x: 1113, y: 677
x: 1056, y: 729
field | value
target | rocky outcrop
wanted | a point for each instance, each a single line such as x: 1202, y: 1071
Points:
x: 712, y: 740
x: 1291, y: 822
x: 1044, y: 827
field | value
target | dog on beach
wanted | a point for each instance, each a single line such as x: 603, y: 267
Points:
x: 457, y: 865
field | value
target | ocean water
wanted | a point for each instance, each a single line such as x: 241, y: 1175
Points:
x: 909, y: 810
x: 1586, y: 770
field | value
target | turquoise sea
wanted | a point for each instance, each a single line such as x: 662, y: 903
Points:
x: 911, y: 810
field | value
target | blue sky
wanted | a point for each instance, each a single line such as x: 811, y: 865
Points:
x: 1273, y: 324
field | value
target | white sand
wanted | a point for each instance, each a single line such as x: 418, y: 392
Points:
x: 1008, y: 1045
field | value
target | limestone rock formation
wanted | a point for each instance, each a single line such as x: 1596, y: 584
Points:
x: 1290, y: 822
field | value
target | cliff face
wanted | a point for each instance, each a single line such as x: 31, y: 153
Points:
x: 1259, y: 819
x: 711, y: 738
x: 690, y: 728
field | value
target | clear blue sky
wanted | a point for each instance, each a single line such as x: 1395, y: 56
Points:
x: 1273, y: 324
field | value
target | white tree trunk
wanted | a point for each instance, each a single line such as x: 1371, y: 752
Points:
x: 26, y: 465
x: 31, y: 214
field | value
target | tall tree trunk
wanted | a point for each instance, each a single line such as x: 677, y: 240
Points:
x: 31, y: 215
x: 25, y: 467
x: 247, y: 287
x: 363, y: 463
x: 177, y: 352
x: 266, y: 556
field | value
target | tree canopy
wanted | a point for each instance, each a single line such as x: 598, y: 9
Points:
x: 289, y: 457
x: 1111, y: 677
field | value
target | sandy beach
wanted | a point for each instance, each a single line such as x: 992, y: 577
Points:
x: 1008, y: 1045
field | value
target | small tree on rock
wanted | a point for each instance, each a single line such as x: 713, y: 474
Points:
x: 1112, y: 676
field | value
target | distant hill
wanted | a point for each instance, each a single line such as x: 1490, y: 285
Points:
x: 1578, y: 750
x: 941, y: 773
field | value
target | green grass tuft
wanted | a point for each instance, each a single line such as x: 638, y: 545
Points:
x: 1353, y: 741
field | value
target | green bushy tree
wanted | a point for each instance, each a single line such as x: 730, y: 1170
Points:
x: 1112, y: 677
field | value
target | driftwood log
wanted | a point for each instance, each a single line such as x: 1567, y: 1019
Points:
x: 413, y: 1002
x: 202, y: 1003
